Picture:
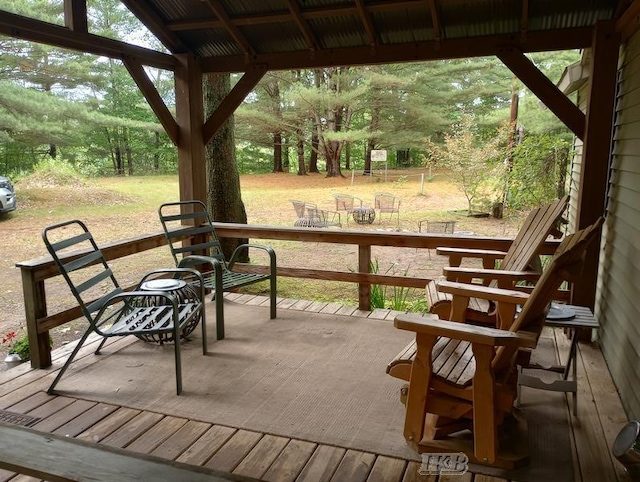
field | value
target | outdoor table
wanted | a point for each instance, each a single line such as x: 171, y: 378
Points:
x: 570, y: 317
x: 183, y: 291
x: 364, y: 215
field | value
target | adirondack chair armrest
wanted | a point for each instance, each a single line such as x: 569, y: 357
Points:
x: 432, y: 325
x: 484, y: 292
x: 467, y: 275
x: 456, y: 255
x: 266, y: 249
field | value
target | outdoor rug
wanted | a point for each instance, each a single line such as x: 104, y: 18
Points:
x: 310, y: 376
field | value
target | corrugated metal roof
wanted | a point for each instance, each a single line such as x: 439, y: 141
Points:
x: 273, y: 27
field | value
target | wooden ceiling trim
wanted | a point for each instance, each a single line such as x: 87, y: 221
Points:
x: 524, y: 19
x: 156, y: 26
x: 233, y: 30
x: 75, y: 15
x: 545, y: 90
x: 47, y: 33
x: 365, y: 17
x: 411, y: 52
x: 309, y: 36
x: 286, y: 16
x: 435, y: 20
x: 153, y: 98
x: 629, y: 21
x: 232, y: 101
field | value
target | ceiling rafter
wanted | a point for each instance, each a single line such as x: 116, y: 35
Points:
x: 435, y: 20
x: 233, y: 30
x: 47, y: 33
x: 565, y: 39
x: 303, y: 25
x: 75, y: 15
x: 368, y: 24
x: 156, y: 26
x: 285, y: 16
x: 524, y: 20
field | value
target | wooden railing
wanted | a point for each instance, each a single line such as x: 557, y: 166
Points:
x: 34, y: 272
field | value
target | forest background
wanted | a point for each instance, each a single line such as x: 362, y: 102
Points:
x: 87, y: 112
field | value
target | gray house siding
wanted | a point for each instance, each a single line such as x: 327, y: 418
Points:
x: 618, y: 297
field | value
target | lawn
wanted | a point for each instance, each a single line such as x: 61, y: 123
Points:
x: 117, y: 208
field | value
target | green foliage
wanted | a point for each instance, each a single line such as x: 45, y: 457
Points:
x: 21, y: 347
x: 475, y: 163
x: 540, y: 168
x: 398, y: 295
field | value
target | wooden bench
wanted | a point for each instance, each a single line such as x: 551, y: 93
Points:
x: 54, y: 457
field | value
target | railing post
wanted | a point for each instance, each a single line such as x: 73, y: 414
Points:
x: 364, y: 289
x: 35, y: 306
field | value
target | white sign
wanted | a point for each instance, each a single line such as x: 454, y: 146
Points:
x: 378, y: 155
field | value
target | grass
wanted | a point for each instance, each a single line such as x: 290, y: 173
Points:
x: 123, y: 207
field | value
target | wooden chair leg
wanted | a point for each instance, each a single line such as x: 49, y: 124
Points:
x: 417, y: 399
x: 485, y: 431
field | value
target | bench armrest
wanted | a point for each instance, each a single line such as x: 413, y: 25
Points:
x: 466, y: 275
x: 456, y: 255
x: 461, y: 331
x: 484, y: 292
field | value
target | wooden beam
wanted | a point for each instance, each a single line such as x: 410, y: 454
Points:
x: 435, y: 20
x: 524, y: 19
x: 545, y: 90
x: 366, y: 21
x: 596, y: 150
x: 75, y: 15
x: 233, y: 30
x: 190, y: 115
x: 156, y: 26
x: 38, y: 31
x: 410, y: 52
x: 628, y: 22
x: 153, y: 98
x: 231, y: 102
x: 303, y: 25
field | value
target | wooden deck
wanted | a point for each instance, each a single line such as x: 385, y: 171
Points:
x: 276, y: 458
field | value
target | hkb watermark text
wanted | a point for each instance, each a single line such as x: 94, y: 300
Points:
x: 435, y: 464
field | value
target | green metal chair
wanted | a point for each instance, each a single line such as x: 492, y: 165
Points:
x: 186, y: 219
x: 144, y: 312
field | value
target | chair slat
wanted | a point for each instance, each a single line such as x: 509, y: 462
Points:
x: 94, y: 280
x: 83, y: 261
x: 65, y: 243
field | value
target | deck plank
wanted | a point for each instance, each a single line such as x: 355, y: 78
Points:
x: 177, y: 443
x: 61, y: 417
x: 232, y: 452
x: 161, y: 431
x: 411, y: 474
x: 27, y: 404
x: 262, y: 455
x: 51, y: 407
x: 387, y: 469
x: 290, y: 462
x: 132, y: 429
x: 322, y: 464
x: 86, y: 420
x: 354, y: 466
x: 108, y: 425
x: 316, y: 306
x: 207, y: 445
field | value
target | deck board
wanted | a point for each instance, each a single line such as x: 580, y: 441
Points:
x: 278, y: 458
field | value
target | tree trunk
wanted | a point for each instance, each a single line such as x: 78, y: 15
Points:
x: 302, y: 171
x: 347, y: 156
x: 277, y: 152
x: 127, y: 150
x: 223, y: 180
x: 313, y: 156
x: 156, y: 155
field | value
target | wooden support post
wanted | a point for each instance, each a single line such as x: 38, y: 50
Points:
x: 364, y: 289
x: 485, y: 427
x: 596, y: 150
x: 35, y: 307
x: 419, y: 381
x: 190, y: 119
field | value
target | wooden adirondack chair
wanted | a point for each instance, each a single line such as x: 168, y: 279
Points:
x: 463, y: 376
x: 538, y: 225
x: 476, y: 310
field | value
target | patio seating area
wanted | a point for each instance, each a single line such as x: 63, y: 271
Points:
x: 240, y: 415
